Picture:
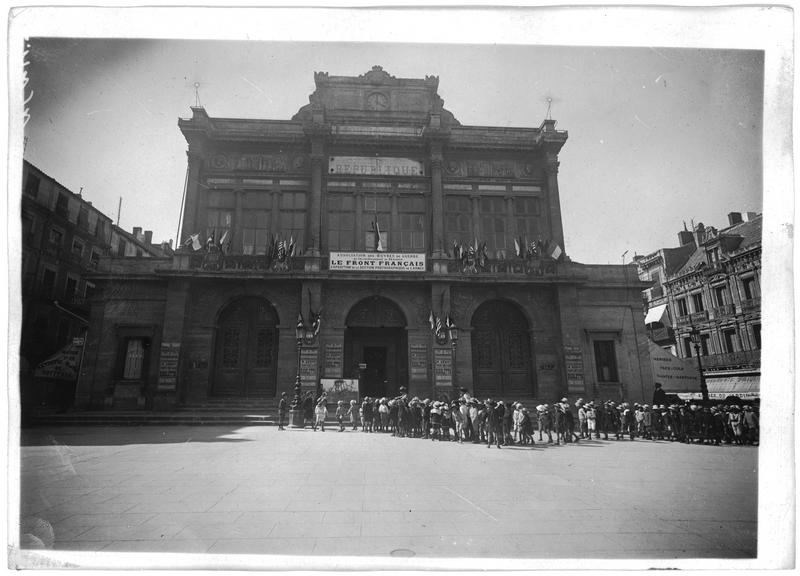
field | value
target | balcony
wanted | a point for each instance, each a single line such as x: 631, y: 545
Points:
x: 661, y: 335
x: 729, y: 360
x: 693, y: 318
x: 724, y: 311
x: 751, y: 305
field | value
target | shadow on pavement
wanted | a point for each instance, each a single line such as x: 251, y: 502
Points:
x: 125, y: 435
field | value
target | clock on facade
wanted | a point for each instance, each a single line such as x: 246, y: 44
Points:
x: 377, y: 101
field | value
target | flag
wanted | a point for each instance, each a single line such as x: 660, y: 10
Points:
x: 553, y: 250
x: 378, y: 241
x: 270, y: 251
x: 316, y: 321
x: 300, y: 324
x: 448, y: 323
x: 438, y: 325
x: 518, y: 248
x: 210, y: 241
x: 431, y: 320
x: 193, y: 241
x: 222, y: 241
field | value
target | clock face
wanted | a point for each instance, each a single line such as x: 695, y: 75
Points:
x: 377, y: 101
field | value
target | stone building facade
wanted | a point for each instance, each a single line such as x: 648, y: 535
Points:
x: 371, y: 238
x: 712, y: 286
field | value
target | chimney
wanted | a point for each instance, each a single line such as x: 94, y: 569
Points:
x: 700, y: 229
x: 750, y: 216
x: 137, y: 232
x: 685, y: 237
x: 148, y: 236
x: 734, y: 218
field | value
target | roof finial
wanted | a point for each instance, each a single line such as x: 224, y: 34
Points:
x: 197, y: 94
x: 549, y: 105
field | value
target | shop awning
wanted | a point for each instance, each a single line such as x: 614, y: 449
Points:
x: 744, y: 387
x: 655, y: 314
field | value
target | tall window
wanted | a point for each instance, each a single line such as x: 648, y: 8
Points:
x: 412, y: 223
x: 62, y: 205
x: 757, y: 335
x: 341, y: 222
x: 458, y: 220
x: 697, y: 300
x: 527, y: 212
x: 48, y: 282
x: 32, y: 185
x: 256, y: 207
x: 376, y: 208
x: 729, y: 340
x: 719, y: 293
x: 56, y: 236
x: 749, y: 287
x: 687, y: 347
x: 134, y: 359
x: 605, y: 359
x: 493, y: 223
x: 292, y: 221
x: 221, y: 204
x: 683, y: 309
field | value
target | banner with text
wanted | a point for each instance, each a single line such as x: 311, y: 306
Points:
x: 377, y: 262
x: 673, y: 373
x: 370, y: 166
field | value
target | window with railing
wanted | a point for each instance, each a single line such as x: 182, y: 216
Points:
x: 493, y: 223
x: 256, y: 217
x: 376, y: 209
x: 527, y: 212
x: 697, y: 301
x: 458, y: 223
x: 292, y: 217
x: 412, y: 223
x: 683, y: 308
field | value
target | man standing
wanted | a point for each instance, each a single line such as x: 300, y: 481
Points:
x: 282, y: 411
x: 659, y: 396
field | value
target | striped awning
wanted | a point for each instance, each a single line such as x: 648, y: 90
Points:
x: 655, y: 314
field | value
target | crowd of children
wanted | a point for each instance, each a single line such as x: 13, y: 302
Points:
x: 501, y: 423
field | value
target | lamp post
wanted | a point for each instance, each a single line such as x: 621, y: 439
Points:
x: 296, y: 413
x: 694, y: 334
x: 452, y: 333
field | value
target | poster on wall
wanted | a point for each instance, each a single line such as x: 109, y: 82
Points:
x: 308, y: 368
x: 573, y: 365
x: 419, y: 361
x: 332, y: 362
x: 340, y: 389
x: 168, y: 365
x: 443, y: 367
x: 673, y: 373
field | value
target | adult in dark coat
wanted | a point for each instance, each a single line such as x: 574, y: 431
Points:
x: 659, y: 396
x: 308, y: 407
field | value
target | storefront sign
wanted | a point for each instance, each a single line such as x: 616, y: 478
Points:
x: 573, y: 364
x: 168, y: 365
x: 369, y: 166
x: 308, y: 367
x: 332, y: 367
x: 673, y: 373
x: 376, y: 262
x: 63, y: 365
x: 443, y: 367
x: 419, y: 361
x: 340, y: 389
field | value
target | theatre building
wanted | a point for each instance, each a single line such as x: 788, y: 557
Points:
x: 416, y: 251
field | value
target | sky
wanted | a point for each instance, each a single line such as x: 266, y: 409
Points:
x: 657, y: 136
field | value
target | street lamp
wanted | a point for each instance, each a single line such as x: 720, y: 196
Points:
x: 296, y: 413
x: 452, y: 332
x: 694, y: 334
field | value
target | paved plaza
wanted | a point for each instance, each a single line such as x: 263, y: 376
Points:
x: 259, y: 490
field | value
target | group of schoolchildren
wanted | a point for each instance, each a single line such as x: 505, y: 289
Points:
x: 503, y: 424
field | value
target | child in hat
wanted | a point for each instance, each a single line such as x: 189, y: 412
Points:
x: 353, y: 412
x: 341, y: 412
x: 320, y: 414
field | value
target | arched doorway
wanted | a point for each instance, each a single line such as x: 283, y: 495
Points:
x: 245, y: 358
x: 375, y: 346
x: 501, y: 352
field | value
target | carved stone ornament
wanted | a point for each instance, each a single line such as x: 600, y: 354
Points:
x: 219, y: 162
x: 378, y: 76
x: 376, y: 312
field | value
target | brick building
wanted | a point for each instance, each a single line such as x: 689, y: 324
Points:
x: 374, y: 215
x: 710, y: 285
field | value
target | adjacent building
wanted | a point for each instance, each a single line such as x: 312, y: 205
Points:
x: 706, y: 296
x: 63, y: 239
x: 374, y: 242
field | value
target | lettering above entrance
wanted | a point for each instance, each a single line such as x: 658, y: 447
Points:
x: 278, y: 163
x: 376, y: 262
x: 488, y: 168
x: 380, y: 166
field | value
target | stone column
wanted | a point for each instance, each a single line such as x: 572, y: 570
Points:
x: 315, y: 200
x: 192, y: 202
x: 437, y: 202
x: 237, y: 227
x: 553, y: 201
